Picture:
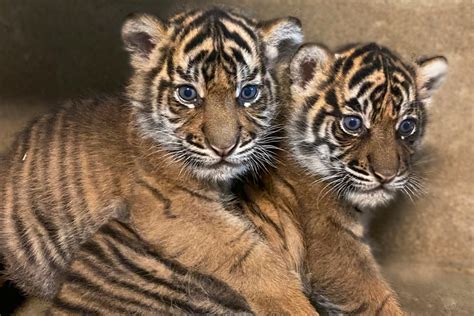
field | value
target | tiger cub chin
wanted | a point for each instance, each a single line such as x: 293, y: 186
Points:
x: 198, y: 112
x: 357, y: 119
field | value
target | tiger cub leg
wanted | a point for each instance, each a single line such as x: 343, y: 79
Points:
x: 345, y: 277
x: 117, y: 272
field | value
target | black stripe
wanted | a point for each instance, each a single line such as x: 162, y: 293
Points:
x: 369, y: 58
x: 150, y: 77
x: 309, y: 102
x: 239, y: 236
x: 61, y: 304
x: 16, y: 182
x: 317, y: 121
x: 348, y: 64
x: 181, y: 32
x: 169, y: 63
x: 339, y: 226
x: 196, y: 61
x: 78, y: 182
x: 359, y: 310
x: 331, y: 99
x: 255, y: 209
x: 71, y: 229
x: 361, y: 74
x: 377, y: 94
x: 235, y: 37
x: 240, y: 261
x: 196, y: 194
x: 363, y: 88
x: 159, y: 196
x: 379, y: 310
x: 244, y: 27
x: 22, y: 236
x: 229, y: 65
x: 364, y: 49
x: 196, y: 40
x: 354, y: 105
x: 239, y: 58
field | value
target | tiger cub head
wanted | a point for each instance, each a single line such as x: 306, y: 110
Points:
x: 203, y: 87
x: 358, y: 118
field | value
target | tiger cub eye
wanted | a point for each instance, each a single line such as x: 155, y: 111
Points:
x: 248, y: 94
x: 187, y: 94
x: 352, y: 123
x: 407, y: 127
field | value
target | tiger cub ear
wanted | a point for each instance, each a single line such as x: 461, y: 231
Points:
x: 281, y: 37
x: 430, y: 74
x: 140, y: 35
x: 307, y: 63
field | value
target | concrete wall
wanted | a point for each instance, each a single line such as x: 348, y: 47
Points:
x: 52, y: 49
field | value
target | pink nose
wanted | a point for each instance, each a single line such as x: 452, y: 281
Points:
x: 385, y: 177
x: 223, y: 152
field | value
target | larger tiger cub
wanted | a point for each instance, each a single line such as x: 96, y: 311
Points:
x: 198, y: 112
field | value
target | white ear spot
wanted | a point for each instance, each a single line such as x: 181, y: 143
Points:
x: 272, y: 52
x: 280, y: 35
x: 431, y: 73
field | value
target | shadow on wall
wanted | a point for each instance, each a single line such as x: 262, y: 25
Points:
x: 48, y: 50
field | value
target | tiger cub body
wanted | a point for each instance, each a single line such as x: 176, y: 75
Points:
x: 198, y: 112
x: 342, y: 274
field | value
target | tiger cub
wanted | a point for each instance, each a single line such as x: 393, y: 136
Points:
x: 357, y: 119
x: 198, y: 112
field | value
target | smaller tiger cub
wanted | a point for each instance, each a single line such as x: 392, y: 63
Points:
x: 357, y: 119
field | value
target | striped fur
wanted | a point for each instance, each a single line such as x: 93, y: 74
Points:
x: 146, y: 158
x: 121, y: 275
x: 339, y: 175
x: 116, y: 272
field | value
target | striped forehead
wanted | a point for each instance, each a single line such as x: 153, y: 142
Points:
x: 375, y: 83
x: 210, y: 41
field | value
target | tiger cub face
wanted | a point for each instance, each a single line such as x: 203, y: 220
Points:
x: 359, y: 117
x: 203, y: 87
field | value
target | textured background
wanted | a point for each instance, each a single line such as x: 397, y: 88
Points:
x: 56, y: 49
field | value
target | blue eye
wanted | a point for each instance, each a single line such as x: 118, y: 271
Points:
x: 407, y: 127
x: 248, y: 94
x: 187, y: 94
x: 352, y: 123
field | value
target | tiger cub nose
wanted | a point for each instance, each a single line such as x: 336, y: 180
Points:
x: 224, y: 152
x: 385, y: 176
